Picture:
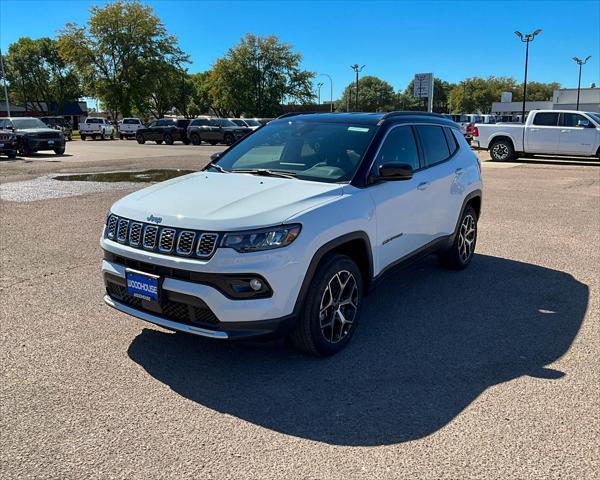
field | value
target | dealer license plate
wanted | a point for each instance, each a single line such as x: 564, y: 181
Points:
x: 143, y: 285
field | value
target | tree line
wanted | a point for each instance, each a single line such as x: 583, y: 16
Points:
x: 124, y: 56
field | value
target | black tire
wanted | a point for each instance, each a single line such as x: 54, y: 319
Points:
x: 186, y: 141
x: 12, y: 154
x: 59, y: 151
x: 195, y: 138
x: 228, y: 139
x: 24, y: 150
x: 502, y: 150
x: 168, y: 138
x: 140, y: 139
x: 457, y: 257
x: 310, y: 335
x: 159, y: 142
x: 93, y: 136
x: 112, y: 135
x: 213, y: 142
x: 120, y: 136
x: 83, y: 137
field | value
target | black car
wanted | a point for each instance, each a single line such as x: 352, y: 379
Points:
x: 33, y: 135
x: 164, y: 130
x: 215, y: 130
x: 8, y: 143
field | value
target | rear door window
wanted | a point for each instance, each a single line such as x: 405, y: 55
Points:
x: 571, y: 119
x: 433, y: 141
x: 546, y: 119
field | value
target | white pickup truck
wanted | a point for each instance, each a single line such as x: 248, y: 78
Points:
x: 96, y: 127
x: 129, y: 126
x: 546, y: 132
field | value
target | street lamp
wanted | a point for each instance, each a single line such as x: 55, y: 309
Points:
x: 330, y: 88
x: 356, y: 69
x: 580, y: 63
x: 319, y: 85
x: 528, y: 37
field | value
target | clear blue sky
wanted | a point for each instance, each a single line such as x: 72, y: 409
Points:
x: 394, y: 40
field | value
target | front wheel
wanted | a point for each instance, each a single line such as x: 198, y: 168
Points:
x: 120, y: 136
x: 112, y: 135
x: 93, y: 136
x: 140, y: 139
x: 168, y: 139
x: 195, y: 138
x: 460, y: 254
x: 12, y: 154
x: 331, y: 308
x: 502, y: 150
x: 83, y: 137
x: 228, y: 140
x: 59, y: 151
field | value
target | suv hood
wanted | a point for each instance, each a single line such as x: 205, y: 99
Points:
x: 225, y: 201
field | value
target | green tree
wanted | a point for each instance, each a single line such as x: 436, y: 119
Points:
x: 536, y: 91
x: 256, y: 76
x: 200, y: 101
x: 477, y: 94
x: 38, y: 75
x: 374, y: 95
x: 115, y: 51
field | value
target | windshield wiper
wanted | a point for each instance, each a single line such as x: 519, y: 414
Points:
x: 265, y: 172
x: 217, y: 167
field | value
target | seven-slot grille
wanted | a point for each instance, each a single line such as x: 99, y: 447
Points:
x: 166, y: 240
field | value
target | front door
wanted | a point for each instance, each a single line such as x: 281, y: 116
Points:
x: 578, y: 135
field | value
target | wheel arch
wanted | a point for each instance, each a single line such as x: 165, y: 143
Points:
x: 501, y: 136
x: 355, y: 245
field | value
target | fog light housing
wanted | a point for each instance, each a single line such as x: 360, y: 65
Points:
x: 255, y: 284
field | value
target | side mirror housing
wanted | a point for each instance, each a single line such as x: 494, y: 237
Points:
x: 395, y: 171
x: 583, y: 123
x: 215, y: 156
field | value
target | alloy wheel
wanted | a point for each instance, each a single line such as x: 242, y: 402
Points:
x: 339, y: 305
x: 466, y: 238
x: 500, y: 151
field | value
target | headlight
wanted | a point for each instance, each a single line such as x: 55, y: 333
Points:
x: 265, y: 239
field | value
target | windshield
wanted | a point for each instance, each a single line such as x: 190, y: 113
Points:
x: 222, y: 122
x: 21, y: 123
x: 252, y: 123
x: 239, y: 123
x: 595, y: 116
x: 324, y: 152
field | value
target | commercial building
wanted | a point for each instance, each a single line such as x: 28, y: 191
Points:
x: 562, y: 99
x: 73, y: 112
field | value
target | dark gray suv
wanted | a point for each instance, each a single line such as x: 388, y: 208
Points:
x: 215, y: 130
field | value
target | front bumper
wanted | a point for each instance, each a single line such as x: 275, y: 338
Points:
x: 8, y: 147
x: 44, y: 144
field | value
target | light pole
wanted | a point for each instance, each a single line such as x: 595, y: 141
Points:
x: 356, y: 69
x: 4, y: 81
x: 319, y: 85
x: 528, y: 37
x: 580, y: 63
x: 330, y: 88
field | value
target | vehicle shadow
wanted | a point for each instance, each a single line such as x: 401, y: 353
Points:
x: 549, y: 160
x: 430, y: 341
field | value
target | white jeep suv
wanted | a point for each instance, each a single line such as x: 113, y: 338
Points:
x: 288, y: 229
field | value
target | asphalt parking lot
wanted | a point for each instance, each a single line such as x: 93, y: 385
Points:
x: 488, y: 373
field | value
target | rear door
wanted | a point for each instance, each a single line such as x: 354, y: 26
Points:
x: 578, y: 135
x: 543, y: 135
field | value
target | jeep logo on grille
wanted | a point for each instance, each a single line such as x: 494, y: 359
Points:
x: 154, y: 219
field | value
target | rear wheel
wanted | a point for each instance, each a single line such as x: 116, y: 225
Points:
x: 83, y: 137
x: 159, y: 142
x: 502, y: 150
x: 212, y: 142
x: 112, y: 135
x: 460, y: 254
x: 195, y: 139
x: 228, y: 139
x: 120, y: 136
x: 331, y: 308
x: 168, y: 138
x: 140, y: 139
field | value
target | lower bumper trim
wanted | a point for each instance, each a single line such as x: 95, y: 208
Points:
x: 164, y: 322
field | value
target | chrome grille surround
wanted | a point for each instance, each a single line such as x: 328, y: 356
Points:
x: 122, y: 230
x: 164, y: 240
x: 207, y: 244
x: 185, y: 242
x: 167, y: 240
x: 150, y: 233
x: 135, y: 234
x: 111, y: 226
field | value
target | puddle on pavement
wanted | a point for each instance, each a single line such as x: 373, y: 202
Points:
x: 146, y: 176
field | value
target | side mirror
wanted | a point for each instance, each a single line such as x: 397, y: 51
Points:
x: 395, y: 171
x: 583, y: 123
x: 215, y: 156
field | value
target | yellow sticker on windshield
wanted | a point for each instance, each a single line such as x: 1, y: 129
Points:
x: 358, y: 129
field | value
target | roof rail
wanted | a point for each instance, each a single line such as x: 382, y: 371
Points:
x: 295, y: 114
x: 416, y: 113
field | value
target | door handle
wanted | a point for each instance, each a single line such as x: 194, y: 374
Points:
x: 423, y: 186
x: 534, y: 130
x: 564, y: 131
